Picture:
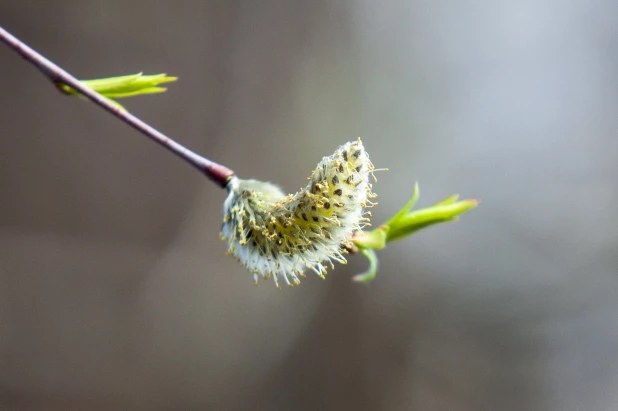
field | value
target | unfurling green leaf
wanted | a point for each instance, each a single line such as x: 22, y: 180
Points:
x: 447, y: 210
x: 124, y: 86
x: 405, y: 222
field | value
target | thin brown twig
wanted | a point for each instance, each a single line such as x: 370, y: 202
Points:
x: 216, y: 172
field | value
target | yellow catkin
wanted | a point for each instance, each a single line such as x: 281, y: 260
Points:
x: 279, y: 236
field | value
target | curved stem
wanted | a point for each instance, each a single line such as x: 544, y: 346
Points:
x: 216, y: 172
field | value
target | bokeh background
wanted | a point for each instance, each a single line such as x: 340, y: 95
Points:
x: 115, y: 293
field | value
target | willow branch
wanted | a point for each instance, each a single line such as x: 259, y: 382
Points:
x: 216, y: 172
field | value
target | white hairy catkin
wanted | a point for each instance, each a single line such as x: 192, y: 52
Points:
x: 279, y: 236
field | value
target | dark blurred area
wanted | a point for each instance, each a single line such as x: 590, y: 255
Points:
x: 115, y: 293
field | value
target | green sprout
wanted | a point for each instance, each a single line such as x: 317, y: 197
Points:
x: 123, y: 86
x: 404, y: 223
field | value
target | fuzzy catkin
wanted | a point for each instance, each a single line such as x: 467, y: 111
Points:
x: 279, y: 236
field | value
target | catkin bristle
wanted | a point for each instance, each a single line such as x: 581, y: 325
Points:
x: 279, y: 236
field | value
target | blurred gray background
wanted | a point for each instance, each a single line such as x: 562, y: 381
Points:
x: 115, y: 293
